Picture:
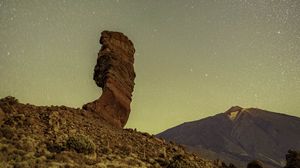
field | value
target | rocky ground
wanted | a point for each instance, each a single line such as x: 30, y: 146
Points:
x: 59, y: 136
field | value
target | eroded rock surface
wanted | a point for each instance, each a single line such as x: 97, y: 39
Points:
x: 114, y: 73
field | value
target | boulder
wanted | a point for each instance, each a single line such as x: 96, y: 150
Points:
x: 292, y: 159
x: 255, y: 164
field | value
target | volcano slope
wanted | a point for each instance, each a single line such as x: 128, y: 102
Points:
x: 240, y: 135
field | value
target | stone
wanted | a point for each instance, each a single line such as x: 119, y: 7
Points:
x: 292, y: 159
x: 2, y: 116
x: 114, y: 73
x: 255, y: 164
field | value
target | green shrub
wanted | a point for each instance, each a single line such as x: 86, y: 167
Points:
x: 55, y: 147
x: 81, y: 144
x: 7, y: 132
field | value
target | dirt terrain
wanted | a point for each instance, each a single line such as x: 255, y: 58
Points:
x: 59, y: 136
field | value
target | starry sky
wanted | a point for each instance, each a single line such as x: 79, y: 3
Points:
x: 194, y: 58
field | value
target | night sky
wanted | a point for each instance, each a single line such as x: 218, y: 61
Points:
x: 193, y: 58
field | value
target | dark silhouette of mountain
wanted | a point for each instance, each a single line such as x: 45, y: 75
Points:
x: 240, y: 135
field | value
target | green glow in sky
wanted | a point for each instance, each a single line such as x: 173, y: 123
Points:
x: 193, y: 58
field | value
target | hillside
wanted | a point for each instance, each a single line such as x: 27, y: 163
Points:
x: 240, y: 135
x: 59, y: 136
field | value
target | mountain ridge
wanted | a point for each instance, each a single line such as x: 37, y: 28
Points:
x: 251, y: 134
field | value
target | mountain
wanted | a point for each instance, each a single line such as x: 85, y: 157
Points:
x: 240, y: 135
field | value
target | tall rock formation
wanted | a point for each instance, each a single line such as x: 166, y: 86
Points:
x: 114, y: 73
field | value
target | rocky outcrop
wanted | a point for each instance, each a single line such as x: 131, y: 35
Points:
x: 114, y: 73
x: 234, y: 109
x: 292, y: 159
x: 255, y: 164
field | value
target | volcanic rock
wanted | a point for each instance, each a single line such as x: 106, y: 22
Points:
x: 292, y: 159
x: 255, y: 164
x: 114, y: 73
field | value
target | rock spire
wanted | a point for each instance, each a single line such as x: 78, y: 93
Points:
x: 114, y: 73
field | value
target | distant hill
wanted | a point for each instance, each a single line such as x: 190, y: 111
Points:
x: 240, y: 135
